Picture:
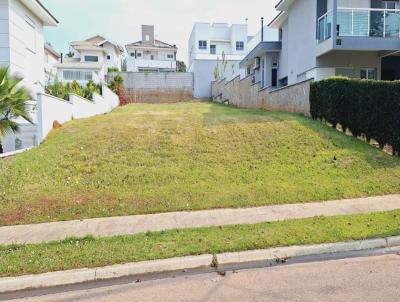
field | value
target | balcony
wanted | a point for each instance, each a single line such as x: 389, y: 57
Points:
x: 361, y: 22
x: 359, y: 29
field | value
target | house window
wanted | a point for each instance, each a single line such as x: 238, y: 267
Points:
x: 202, y: 44
x: 132, y: 54
x: 139, y: 55
x: 109, y: 58
x: 170, y: 56
x: 368, y: 73
x: 91, y: 58
x: 71, y: 75
x: 280, y: 34
x: 239, y: 46
x: 30, y: 38
x: 213, y: 49
x: 389, y: 4
x: 152, y: 57
x: 147, y: 38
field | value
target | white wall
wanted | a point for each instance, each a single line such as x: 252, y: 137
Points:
x: 50, y: 109
x: 26, y: 46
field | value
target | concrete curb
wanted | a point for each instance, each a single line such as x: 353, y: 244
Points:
x: 174, y: 264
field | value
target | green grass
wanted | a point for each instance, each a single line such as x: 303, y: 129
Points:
x: 93, y: 252
x: 189, y: 156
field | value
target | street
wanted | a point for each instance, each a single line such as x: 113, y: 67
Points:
x: 356, y: 279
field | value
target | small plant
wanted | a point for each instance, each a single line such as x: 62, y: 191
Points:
x: 62, y: 90
x: 13, y: 102
x: 112, y: 69
x: 117, y: 85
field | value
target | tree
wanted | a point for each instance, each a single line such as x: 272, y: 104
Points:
x: 13, y: 102
x: 181, y: 66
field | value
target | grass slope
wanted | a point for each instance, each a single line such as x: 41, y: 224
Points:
x: 188, y: 156
x: 95, y: 252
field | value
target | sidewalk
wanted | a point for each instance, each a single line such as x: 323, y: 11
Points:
x: 106, y: 227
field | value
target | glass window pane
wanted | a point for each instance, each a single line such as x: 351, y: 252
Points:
x: 363, y: 74
x: 371, y: 74
x: 392, y: 28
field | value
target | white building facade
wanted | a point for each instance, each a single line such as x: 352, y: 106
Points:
x: 91, y: 59
x: 51, y: 59
x: 210, y: 45
x: 22, y: 50
x: 151, y: 55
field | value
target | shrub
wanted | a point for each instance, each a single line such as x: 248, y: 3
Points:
x: 365, y: 107
x: 112, y: 69
x: 117, y: 85
x: 62, y: 90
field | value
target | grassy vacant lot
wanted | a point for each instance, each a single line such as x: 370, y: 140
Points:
x: 93, y: 252
x: 190, y: 156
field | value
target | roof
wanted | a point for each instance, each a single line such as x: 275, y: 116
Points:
x: 157, y: 44
x: 49, y: 49
x: 40, y: 11
x: 261, y: 48
x: 96, y: 41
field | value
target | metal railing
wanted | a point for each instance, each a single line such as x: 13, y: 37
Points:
x: 368, y: 22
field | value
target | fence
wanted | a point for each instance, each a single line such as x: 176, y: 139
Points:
x: 243, y: 93
x: 157, y: 87
x: 50, y: 109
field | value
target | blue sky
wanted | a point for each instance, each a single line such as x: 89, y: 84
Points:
x: 120, y: 20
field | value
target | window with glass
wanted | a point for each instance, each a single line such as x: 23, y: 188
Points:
x: 202, y: 44
x: 368, y: 73
x: 170, y: 56
x: 213, y: 49
x: 239, y: 46
x: 91, y: 58
x: 71, y: 75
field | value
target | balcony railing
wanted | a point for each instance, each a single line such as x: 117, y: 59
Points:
x: 325, y: 27
x: 365, y: 22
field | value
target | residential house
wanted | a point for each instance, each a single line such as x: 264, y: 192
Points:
x: 51, y: 58
x: 90, y: 60
x: 151, y: 55
x: 22, y: 50
x: 210, y: 45
x: 322, y: 38
x: 262, y: 61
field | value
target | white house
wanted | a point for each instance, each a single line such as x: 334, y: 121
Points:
x: 150, y: 54
x: 91, y: 59
x: 51, y: 58
x: 208, y: 44
x: 22, y: 49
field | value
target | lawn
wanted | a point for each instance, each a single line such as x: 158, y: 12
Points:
x: 96, y: 252
x: 188, y: 156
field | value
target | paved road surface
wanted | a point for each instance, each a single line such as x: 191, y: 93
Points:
x: 356, y: 279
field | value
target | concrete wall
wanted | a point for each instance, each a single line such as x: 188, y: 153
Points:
x: 242, y: 93
x: 50, y: 109
x: 158, y: 87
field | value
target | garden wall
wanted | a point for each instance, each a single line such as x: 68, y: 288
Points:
x: 51, y: 109
x: 243, y: 93
x: 157, y: 87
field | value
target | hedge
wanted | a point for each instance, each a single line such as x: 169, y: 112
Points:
x: 365, y: 107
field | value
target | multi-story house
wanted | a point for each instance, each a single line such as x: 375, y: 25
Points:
x: 212, y: 45
x: 322, y: 38
x: 51, y: 58
x: 90, y: 60
x: 22, y: 50
x: 151, y: 55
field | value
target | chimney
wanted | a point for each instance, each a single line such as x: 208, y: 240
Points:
x: 148, y: 34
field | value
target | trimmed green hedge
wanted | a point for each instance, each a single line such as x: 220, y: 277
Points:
x: 365, y: 107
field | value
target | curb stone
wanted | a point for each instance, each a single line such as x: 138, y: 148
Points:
x: 70, y: 277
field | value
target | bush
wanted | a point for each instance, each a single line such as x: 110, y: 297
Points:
x: 117, y: 85
x: 365, y: 107
x: 62, y: 90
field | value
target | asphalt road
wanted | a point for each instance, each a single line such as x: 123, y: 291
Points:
x: 356, y: 279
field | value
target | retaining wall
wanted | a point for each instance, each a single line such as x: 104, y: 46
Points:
x: 157, y: 87
x: 243, y: 93
x: 51, y: 109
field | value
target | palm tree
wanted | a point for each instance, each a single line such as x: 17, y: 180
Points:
x: 13, y: 102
